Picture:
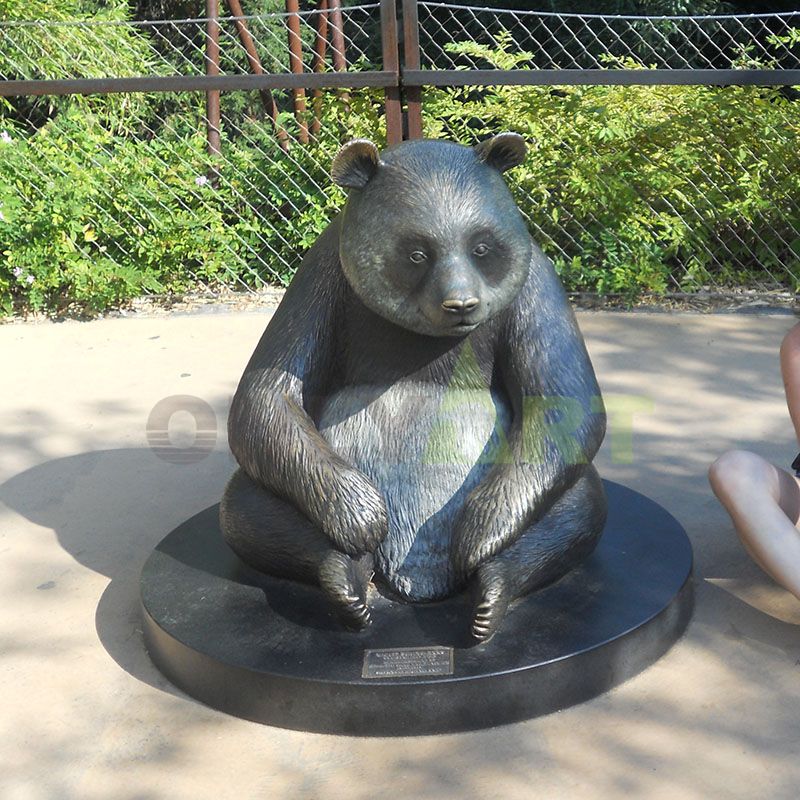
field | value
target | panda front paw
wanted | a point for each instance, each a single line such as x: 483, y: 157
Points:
x: 357, y: 519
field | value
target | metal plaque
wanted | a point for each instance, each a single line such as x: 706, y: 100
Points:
x: 403, y: 662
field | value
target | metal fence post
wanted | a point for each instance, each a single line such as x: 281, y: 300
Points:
x: 320, y: 49
x: 391, y: 63
x: 296, y: 62
x: 212, y: 95
x: 267, y: 100
x: 337, y: 36
x: 338, y: 46
x: 411, y: 60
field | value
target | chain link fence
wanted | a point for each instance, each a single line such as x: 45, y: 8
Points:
x: 282, y: 43
x: 592, y: 41
x: 670, y: 189
x: 664, y: 189
x: 118, y: 194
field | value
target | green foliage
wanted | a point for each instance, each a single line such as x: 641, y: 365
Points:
x: 629, y: 189
x: 96, y: 49
x: 90, y: 218
x: 105, y: 197
x: 635, y: 189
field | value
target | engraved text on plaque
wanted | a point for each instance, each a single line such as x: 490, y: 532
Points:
x: 399, y: 662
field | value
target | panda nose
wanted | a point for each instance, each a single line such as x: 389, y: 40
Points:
x: 460, y: 306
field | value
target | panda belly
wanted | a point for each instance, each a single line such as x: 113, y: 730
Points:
x: 425, y: 447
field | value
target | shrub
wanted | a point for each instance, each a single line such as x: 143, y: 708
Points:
x: 89, y: 217
x: 629, y: 189
x: 635, y: 189
x: 91, y: 50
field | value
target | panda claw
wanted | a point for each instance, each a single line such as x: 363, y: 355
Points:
x: 346, y: 587
x: 355, y: 615
x: 492, y: 602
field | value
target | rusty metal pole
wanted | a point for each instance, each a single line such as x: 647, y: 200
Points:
x: 267, y: 100
x: 337, y: 36
x: 411, y: 60
x: 212, y: 95
x: 338, y: 45
x: 391, y: 63
x: 296, y: 63
x: 320, y: 49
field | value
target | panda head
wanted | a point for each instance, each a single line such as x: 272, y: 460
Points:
x: 431, y: 237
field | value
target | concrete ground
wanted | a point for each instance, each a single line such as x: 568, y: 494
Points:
x: 83, y: 499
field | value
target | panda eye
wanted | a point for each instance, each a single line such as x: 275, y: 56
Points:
x: 418, y: 257
x: 481, y: 249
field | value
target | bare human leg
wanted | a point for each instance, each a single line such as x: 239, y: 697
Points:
x: 764, y: 504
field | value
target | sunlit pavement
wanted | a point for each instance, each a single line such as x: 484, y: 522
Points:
x: 84, y: 498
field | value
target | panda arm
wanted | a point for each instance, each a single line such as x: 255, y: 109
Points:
x: 558, y: 420
x: 270, y: 430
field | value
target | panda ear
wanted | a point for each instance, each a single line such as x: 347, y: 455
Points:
x: 503, y: 151
x: 355, y: 164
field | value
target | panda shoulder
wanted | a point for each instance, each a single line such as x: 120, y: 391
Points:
x: 541, y: 296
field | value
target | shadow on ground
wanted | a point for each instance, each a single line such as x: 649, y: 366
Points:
x: 109, y: 509
x: 717, y: 716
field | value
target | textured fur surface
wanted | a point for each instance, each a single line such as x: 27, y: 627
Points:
x: 421, y: 405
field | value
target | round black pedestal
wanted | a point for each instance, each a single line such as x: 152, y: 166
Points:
x: 271, y: 650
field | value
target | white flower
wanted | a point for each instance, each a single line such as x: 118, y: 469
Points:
x: 5, y: 136
x: 17, y: 271
x: 201, y: 180
x: 29, y: 279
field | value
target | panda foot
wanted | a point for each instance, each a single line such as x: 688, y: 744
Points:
x: 491, y: 603
x: 345, y: 581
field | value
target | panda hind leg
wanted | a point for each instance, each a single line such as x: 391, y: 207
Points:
x: 545, y: 552
x: 272, y: 536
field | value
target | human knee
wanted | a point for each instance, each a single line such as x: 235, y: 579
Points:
x: 736, y: 472
x: 790, y: 346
